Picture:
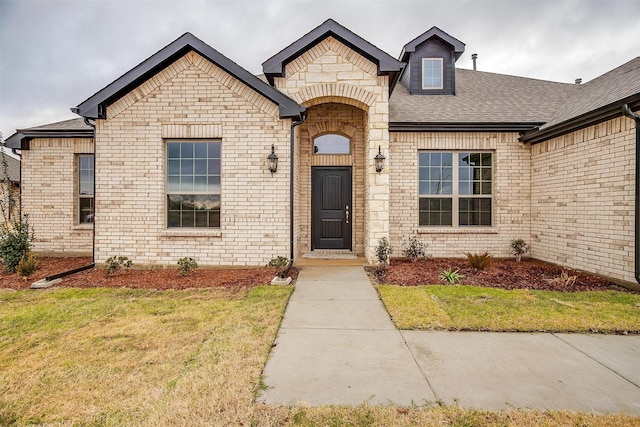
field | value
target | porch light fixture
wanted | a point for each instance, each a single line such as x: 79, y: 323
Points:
x: 273, y: 161
x: 379, y: 158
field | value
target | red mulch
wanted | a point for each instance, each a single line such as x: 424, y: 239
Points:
x: 503, y: 273
x: 155, y: 278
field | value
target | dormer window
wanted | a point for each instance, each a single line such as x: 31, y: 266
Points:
x: 432, y: 71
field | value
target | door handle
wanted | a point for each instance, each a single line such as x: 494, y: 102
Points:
x: 347, y: 213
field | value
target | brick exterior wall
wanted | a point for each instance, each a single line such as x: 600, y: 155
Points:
x: 583, y: 192
x: 331, y: 73
x: 50, y: 195
x: 192, y: 98
x: 511, y: 193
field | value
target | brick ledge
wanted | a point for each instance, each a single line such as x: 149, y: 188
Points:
x: 457, y: 231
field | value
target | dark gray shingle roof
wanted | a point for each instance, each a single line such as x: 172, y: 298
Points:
x: 13, y: 168
x: 74, y: 128
x: 616, y: 85
x: 483, y: 97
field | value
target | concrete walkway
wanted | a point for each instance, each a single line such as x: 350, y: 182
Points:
x: 337, y: 345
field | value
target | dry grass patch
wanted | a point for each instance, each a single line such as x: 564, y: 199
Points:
x: 134, y: 357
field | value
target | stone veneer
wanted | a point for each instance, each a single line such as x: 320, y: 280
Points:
x: 511, y: 193
x: 583, y: 199
x: 331, y: 73
x: 49, y: 190
x: 192, y: 99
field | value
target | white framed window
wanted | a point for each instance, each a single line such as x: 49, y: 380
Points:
x: 85, y: 188
x: 193, y: 184
x: 455, y: 189
x: 331, y: 143
x: 432, y: 72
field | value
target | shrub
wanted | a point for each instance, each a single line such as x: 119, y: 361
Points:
x: 451, y: 276
x: 28, y: 264
x: 565, y: 279
x: 519, y: 248
x: 116, y: 263
x: 383, y: 252
x: 479, y: 261
x: 278, y: 262
x: 186, y: 265
x: 16, y: 238
x: 413, y: 248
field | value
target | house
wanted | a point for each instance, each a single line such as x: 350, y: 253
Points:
x: 337, y: 145
x: 10, y: 186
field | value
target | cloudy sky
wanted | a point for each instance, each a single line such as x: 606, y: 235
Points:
x: 56, y: 53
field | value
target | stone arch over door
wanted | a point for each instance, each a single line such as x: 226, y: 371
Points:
x: 333, y: 118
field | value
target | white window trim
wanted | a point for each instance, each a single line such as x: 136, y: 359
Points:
x: 455, y: 195
x: 441, y: 74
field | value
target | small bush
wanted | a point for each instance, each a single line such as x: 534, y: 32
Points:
x: 451, y: 276
x: 116, y: 263
x: 15, y: 242
x: 383, y: 252
x: 565, y: 279
x: 28, y: 264
x: 479, y: 261
x: 278, y: 262
x: 519, y: 248
x: 186, y: 265
x: 413, y: 248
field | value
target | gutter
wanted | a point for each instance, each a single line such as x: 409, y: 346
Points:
x: 626, y: 111
x: 303, y: 117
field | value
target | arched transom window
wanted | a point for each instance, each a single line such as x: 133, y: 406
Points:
x: 332, y: 143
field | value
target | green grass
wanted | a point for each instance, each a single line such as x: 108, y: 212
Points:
x: 119, y: 357
x: 442, y: 307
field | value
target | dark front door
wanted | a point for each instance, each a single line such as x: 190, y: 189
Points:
x: 331, y: 213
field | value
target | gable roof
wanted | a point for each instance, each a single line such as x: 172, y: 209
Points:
x: 458, y: 46
x: 387, y: 65
x: 95, y: 106
x: 74, y: 128
x: 593, y: 102
x: 483, y: 101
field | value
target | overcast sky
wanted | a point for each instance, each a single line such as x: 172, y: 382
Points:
x: 54, y: 54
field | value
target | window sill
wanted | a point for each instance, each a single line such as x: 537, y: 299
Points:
x: 191, y: 233
x: 460, y: 230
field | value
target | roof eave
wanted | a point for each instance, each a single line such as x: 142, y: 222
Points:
x: 276, y: 65
x: 95, y: 107
x: 20, y: 140
x: 462, y: 126
x: 599, y: 115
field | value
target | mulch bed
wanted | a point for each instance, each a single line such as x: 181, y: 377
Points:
x: 502, y: 273
x: 153, y: 278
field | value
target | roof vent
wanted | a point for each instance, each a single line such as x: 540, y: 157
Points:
x: 578, y: 81
x: 474, y: 56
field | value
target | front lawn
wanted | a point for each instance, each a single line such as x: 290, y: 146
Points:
x: 471, y: 308
x: 132, y: 357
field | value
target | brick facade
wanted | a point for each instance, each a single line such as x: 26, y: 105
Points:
x: 511, y: 193
x: 582, y: 192
x: 334, y: 79
x: 50, y: 195
x: 191, y: 99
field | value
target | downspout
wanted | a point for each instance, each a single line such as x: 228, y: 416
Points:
x: 303, y: 117
x: 628, y: 113
x: 50, y: 280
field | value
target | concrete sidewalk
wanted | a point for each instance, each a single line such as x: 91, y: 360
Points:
x: 337, y: 345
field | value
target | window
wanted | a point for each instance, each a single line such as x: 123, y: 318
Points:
x: 193, y: 184
x: 455, y: 189
x: 432, y: 73
x: 331, y: 144
x: 85, y: 188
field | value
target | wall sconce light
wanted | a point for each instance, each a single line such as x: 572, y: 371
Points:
x: 379, y: 158
x: 273, y: 161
